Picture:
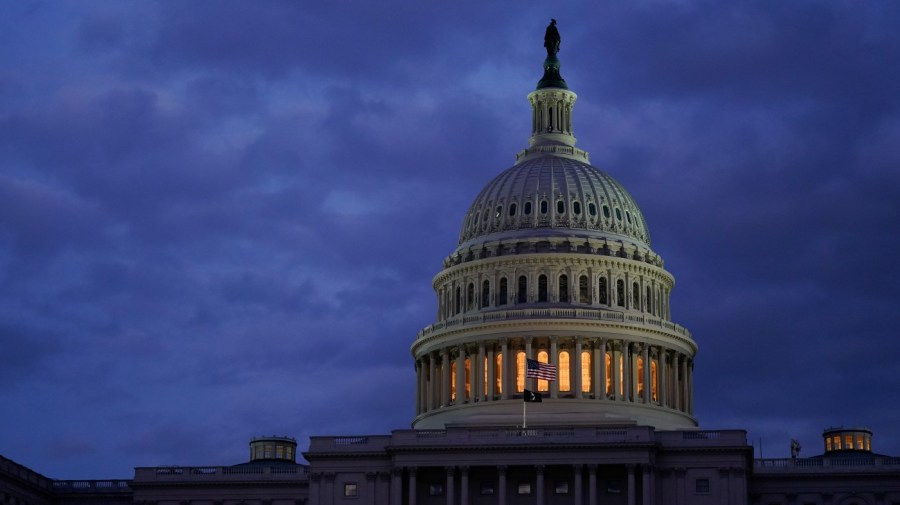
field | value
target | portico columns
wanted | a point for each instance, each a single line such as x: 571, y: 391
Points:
x: 663, y: 377
x: 396, y: 486
x: 460, y: 375
x: 647, y: 375
x: 501, y: 485
x: 600, y: 370
x: 478, y: 375
x: 445, y: 377
x: 529, y: 383
x: 554, y: 360
x: 432, y: 381
x: 491, y: 374
x: 592, y: 484
x: 504, y: 372
x: 577, y: 372
x: 463, y: 486
x: 577, y: 481
x: 631, y: 487
x: 539, y: 478
x: 412, y: 485
x: 450, y: 495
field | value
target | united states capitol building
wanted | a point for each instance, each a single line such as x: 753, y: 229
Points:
x: 554, y: 263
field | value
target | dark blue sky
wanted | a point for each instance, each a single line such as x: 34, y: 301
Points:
x: 221, y: 219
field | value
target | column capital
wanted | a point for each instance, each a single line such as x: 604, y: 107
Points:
x: 539, y: 469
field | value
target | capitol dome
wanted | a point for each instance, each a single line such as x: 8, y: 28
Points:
x: 554, y: 266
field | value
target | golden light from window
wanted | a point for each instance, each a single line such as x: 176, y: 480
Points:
x: 640, y: 376
x: 520, y: 371
x: 543, y: 385
x: 468, y: 384
x: 586, y: 372
x: 485, y: 368
x: 499, y: 367
x: 452, y: 382
x: 609, y: 386
x: 621, y: 373
x: 654, y: 380
x: 564, y: 380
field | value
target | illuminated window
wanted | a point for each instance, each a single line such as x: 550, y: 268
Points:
x: 289, y: 453
x: 563, y: 288
x: 499, y: 371
x: 562, y: 487
x: 350, y: 489
x: 503, y: 292
x: 837, y: 442
x: 868, y: 443
x: 468, y: 384
x: 848, y: 441
x: 640, y: 376
x: 859, y: 442
x: 452, y: 382
x: 621, y: 374
x: 436, y: 489
x: 586, y: 371
x: 654, y: 380
x: 620, y: 293
x: 609, y: 386
x: 543, y: 385
x: 520, y: 371
x: 279, y: 452
x: 485, y: 294
x: 470, y: 297
x: 828, y: 444
x: 523, y: 289
x: 564, y: 381
x: 583, y: 295
x: 602, y: 297
x: 524, y: 488
x: 268, y: 452
x: 542, y: 288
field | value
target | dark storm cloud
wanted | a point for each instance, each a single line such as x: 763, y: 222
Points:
x: 217, y: 217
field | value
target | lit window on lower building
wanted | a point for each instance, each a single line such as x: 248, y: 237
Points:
x: 351, y: 489
x: 562, y: 487
x: 487, y: 488
x: 524, y: 488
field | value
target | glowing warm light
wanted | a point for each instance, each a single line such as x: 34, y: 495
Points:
x: 640, y: 376
x: 608, y: 378
x: 543, y: 385
x: 499, y: 366
x: 520, y: 371
x: 654, y: 380
x: 586, y: 372
x: 452, y: 383
x: 468, y: 365
x: 564, y: 381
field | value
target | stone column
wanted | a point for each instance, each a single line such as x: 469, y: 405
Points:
x: 329, y: 488
x: 432, y: 383
x: 663, y: 377
x: 632, y: 499
x: 617, y: 386
x: 445, y: 377
x: 396, y: 486
x: 682, y: 384
x: 504, y: 372
x: 449, y: 491
x: 626, y: 371
x: 577, y: 483
x: 464, y: 485
x: 690, y: 391
x: 371, y: 480
x: 501, y: 485
x: 315, y: 484
x: 645, y: 485
x: 460, y: 375
x: 647, y: 385
x: 554, y: 360
x: 576, y: 384
x: 600, y: 369
x: 480, y: 371
x: 491, y: 373
x: 539, y: 484
x: 412, y: 485
x: 592, y: 484
x: 529, y: 383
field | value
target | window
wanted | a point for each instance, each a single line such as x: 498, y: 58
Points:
x: 524, y: 488
x: 499, y: 372
x: 586, y: 371
x: 487, y: 488
x: 848, y: 441
x: 609, y: 362
x: 649, y: 305
x: 503, y: 292
x: 563, y: 288
x: 527, y: 208
x: 452, y: 366
x: 635, y: 296
x: 628, y: 216
x: 520, y: 371
x: 542, y: 288
x: 351, y: 489
x: 576, y: 208
x: 499, y: 212
x: 606, y: 212
x: 613, y: 487
x: 565, y: 383
x: 470, y: 296
x: 562, y: 487
x: 620, y: 293
x: 618, y: 214
x: 543, y: 385
x: 859, y: 442
x: 458, y: 299
x: 560, y: 207
x: 583, y: 295
x: 602, y: 297
x: 467, y: 364
x: 654, y: 380
x: 544, y: 207
x: 640, y: 376
x: 523, y: 290
x: 436, y: 489
x: 592, y: 209
x: 701, y: 485
x: 485, y: 294
x: 512, y: 209
x: 828, y: 444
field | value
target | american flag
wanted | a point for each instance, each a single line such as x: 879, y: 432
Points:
x: 536, y: 369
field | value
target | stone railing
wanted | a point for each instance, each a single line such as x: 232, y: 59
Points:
x: 518, y: 436
x: 554, y: 313
x: 372, y: 443
x: 92, y: 486
x: 836, y: 464
x: 220, y: 473
x: 703, y: 438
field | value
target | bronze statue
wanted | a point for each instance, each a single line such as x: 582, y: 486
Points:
x: 551, y: 39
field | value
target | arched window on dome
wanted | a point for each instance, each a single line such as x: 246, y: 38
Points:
x: 468, y: 379
x: 543, y: 357
x: 628, y: 216
x: 576, y: 208
x: 520, y: 371
x: 527, y: 209
x: 560, y: 207
x: 620, y: 293
x: 649, y: 300
x: 563, y: 288
x: 504, y: 291
x: 605, y: 211
x: 485, y: 294
x: 544, y: 207
x: 592, y: 209
x: 565, y: 382
x: 586, y: 371
x: 458, y: 300
x: 640, y: 376
x: 583, y: 294
x: 602, y: 292
x: 635, y: 296
x: 618, y: 214
x: 542, y: 288
x: 498, y: 370
x: 470, y: 296
x: 512, y: 209
x: 522, y: 293
x: 498, y: 212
